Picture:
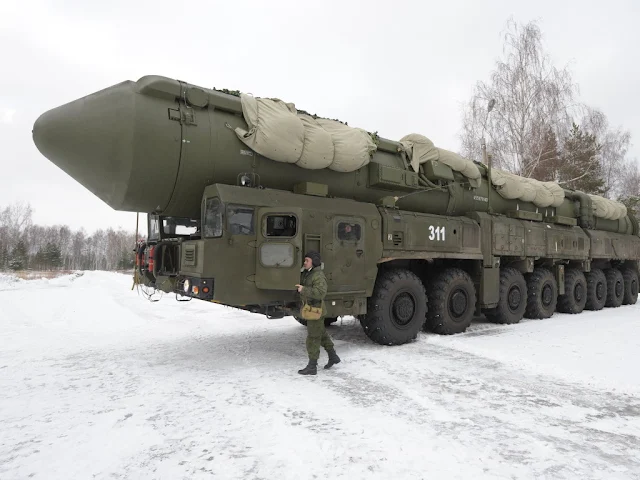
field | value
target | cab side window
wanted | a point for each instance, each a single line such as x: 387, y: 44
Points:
x: 349, y: 231
x: 281, y: 226
x: 240, y: 220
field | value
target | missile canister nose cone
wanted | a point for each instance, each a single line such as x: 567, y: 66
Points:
x: 88, y: 139
x: 110, y: 143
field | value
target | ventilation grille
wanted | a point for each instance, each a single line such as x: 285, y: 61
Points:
x: 190, y: 255
x: 397, y: 238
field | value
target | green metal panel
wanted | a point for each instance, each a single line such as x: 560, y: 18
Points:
x: 572, y: 222
x: 489, y: 294
x: 508, y: 237
x: 616, y: 246
x: 524, y: 215
x: 195, y: 165
x: 420, y: 235
x: 435, y: 170
x: 535, y: 240
x: 566, y: 242
x: 383, y: 176
x: 311, y: 188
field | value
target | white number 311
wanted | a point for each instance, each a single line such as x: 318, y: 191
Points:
x: 436, y: 233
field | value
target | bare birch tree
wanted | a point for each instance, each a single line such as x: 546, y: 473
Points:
x: 533, y: 98
x: 614, y: 145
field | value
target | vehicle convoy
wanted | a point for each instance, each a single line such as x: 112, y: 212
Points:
x: 237, y: 188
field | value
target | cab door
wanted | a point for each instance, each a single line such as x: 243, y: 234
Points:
x: 279, y: 255
x: 347, y: 271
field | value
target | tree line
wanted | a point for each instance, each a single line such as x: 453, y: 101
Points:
x: 540, y: 129
x: 25, y: 246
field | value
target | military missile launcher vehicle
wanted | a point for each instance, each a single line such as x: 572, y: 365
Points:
x: 412, y: 236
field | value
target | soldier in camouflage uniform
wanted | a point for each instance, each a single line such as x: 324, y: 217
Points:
x: 312, y: 289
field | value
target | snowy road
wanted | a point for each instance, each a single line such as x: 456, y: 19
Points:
x: 96, y: 382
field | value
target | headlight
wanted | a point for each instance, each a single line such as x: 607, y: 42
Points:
x: 187, y: 285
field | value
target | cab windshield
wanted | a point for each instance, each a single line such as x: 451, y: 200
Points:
x: 161, y: 227
x: 213, y: 210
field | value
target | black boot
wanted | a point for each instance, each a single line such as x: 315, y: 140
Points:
x: 333, y: 359
x: 310, y: 369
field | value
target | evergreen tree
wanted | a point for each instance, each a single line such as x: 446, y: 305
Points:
x: 546, y: 169
x: 39, y: 260
x: 18, y: 260
x: 4, y: 257
x: 580, y: 167
x: 127, y: 260
x: 53, y: 255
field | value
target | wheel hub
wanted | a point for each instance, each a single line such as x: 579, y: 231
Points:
x: 619, y: 289
x: 547, y: 295
x: 403, y: 308
x: 600, y: 290
x: 458, y: 303
x: 514, y: 298
x: 578, y: 293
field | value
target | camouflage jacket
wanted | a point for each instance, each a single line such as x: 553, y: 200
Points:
x: 315, y: 288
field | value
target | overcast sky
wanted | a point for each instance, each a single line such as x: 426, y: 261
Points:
x: 396, y: 67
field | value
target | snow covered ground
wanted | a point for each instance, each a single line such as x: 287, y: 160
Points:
x: 97, y: 382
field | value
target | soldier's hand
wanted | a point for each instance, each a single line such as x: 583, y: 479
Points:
x: 299, y: 287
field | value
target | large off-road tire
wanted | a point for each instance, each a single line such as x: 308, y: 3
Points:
x: 575, y: 292
x: 596, y: 290
x: 542, y: 294
x: 452, y: 302
x: 615, y: 287
x: 513, y: 298
x: 327, y: 321
x: 630, y: 278
x: 397, y: 309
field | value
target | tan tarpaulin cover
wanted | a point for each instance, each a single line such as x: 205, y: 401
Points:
x: 274, y: 129
x: 419, y: 149
x: 608, y: 209
x: 549, y: 194
x: 513, y: 187
x: 318, y: 150
x: 278, y: 132
x: 353, y: 146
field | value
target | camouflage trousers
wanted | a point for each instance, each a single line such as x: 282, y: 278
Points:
x: 317, y: 336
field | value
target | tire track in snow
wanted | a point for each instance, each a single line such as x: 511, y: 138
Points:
x: 473, y: 400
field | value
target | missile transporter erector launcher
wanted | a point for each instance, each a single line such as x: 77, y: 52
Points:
x: 412, y: 237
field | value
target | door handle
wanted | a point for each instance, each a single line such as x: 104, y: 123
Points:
x: 359, y: 252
